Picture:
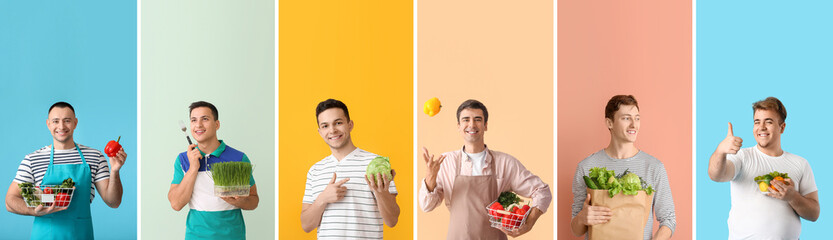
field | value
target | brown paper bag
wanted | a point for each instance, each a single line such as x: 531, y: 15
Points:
x: 630, y: 214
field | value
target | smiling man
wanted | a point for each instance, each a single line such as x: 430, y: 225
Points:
x: 622, y: 120
x: 209, y: 217
x: 51, y: 165
x: 476, y: 176
x: 783, y: 207
x: 339, y: 199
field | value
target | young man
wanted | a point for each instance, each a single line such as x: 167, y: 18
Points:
x: 476, y: 176
x: 779, y: 218
x: 622, y: 119
x: 51, y: 165
x: 339, y: 199
x: 210, y: 217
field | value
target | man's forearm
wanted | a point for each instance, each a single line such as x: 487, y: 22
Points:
x: 388, y: 208
x: 806, y: 207
x: 578, y: 227
x: 180, y: 194
x: 311, y: 215
x: 112, y: 196
x: 719, y: 170
x: 16, y: 205
x: 663, y: 233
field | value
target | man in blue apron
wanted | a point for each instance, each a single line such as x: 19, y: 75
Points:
x: 209, y: 217
x: 51, y: 165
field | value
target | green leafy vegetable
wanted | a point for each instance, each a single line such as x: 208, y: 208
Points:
x: 508, y: 198
x: 627, y: 183
x: 378, y: 165
x: 27, y: 190
x: 231, y: 173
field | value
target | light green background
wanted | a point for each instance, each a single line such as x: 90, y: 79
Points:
x: 221, y: 52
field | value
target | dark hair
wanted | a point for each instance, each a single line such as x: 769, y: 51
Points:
x: 771, y: 103
x: 204, y: 104
x: 615, y: 101
x: 331, y: 103
x: 473, y: 104
x: 61, y: 105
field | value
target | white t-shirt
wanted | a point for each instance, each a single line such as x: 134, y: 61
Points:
x: 356, y: 216
x: 757, y: 216
x: 478, y: 160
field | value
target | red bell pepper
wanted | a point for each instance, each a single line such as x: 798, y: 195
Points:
x: 62, y: 200
x: 112, y: 148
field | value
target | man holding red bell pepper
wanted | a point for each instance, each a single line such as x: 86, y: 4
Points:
x: 55, y: 163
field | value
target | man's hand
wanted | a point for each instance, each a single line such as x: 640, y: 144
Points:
x: 433, y: 168
x: 593, y: 215
x: 783, y: 191
x: 527, y: 225
x: 730, y: 144
x: 194, y: 157
x: 382, y: 183
x: 116, y: 162
x: 334, y: 191
x: 40, y: 210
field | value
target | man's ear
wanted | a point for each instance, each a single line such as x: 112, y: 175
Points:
x: 783, y: 126
x: 485, y: 126
x: 609, y: 123
x: 350, y: 124
x: 218, y: 124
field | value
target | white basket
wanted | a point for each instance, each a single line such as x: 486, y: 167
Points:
x: 231, y: 191
x: 498, y: 219
x: 47, y: 195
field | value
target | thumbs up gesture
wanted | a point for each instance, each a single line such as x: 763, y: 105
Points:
x: 731, y: 144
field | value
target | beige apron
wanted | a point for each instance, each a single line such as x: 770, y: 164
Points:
x: 471, y: 196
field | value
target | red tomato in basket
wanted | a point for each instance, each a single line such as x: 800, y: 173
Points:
x: 47, y: 190
x: 62, y: 200
x: 493, y: 210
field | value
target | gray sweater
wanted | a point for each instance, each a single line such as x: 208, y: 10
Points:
x: 646, y: 166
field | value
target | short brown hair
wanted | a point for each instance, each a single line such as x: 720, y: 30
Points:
x: 473, y: 104
x: 771, y: 103
x: 614, y: 103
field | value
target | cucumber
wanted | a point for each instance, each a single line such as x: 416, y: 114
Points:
x: 589, y: 182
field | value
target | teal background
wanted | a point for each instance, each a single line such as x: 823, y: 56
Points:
x: 217, y: 51
x: 82, y: 52
x: 747, y: 51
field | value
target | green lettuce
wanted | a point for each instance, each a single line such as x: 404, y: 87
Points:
x: 626, y: 183
x: 379, y: 165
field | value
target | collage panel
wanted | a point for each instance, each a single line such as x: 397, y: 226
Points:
x: 624, y: 106
x: 346, y: 112
x: 761, y: 87
x: 69, y: 150
x: 208, y: 120
x: 485, y: 122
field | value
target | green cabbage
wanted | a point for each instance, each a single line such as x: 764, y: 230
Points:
x: 379, y: 165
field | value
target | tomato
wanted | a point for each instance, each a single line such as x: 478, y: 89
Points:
x: 62, y: 200
x: 493, y: 210
x: 47, y: 190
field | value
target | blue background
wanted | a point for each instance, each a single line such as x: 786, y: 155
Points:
x: 747, y: 51
x: 82, y: 52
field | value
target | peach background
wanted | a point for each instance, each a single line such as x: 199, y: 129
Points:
x: 500, y: 53
x: 626, y: 47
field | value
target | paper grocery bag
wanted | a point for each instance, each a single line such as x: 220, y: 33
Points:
x: 630, y: 214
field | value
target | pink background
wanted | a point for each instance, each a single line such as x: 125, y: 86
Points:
x: 641, y: 48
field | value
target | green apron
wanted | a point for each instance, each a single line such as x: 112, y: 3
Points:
x: 74, y: 222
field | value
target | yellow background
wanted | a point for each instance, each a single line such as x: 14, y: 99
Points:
x: 498, y: 52
x: 359, y: 52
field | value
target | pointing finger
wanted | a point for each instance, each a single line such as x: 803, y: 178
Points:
x: 334, y: 179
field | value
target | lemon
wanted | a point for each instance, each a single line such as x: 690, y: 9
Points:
x: 763, y: 186
x: 432, y: 107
